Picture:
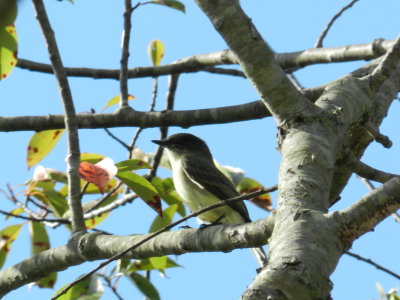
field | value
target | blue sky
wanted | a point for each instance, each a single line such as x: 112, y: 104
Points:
x: 88, y: 35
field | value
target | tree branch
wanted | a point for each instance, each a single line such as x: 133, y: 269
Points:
x: 94, y: 246
x: 73, y: 156
x: 126, y: 34
x: 256, y: 59
x: 369, y: 211
x: 328, y: 26
x: 205, y: 62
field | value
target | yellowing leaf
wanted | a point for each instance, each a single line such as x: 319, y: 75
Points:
x: 40, y: 242
x: 248, y: 185
x: 132, y: 164
x: 92, y: 223
x: 171, y: 3
x: 93, y: 158
x: 7, y: 236
x: 115, y: 100
x: 8, y: 49
x: 155, y: 50
x: 41, y: 144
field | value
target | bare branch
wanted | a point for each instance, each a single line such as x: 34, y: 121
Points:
x: 164, y: 229
x: 366, y: 213
x: 369, y: 261
x: 126, y: 34
x: 328, y: 26
x: 73, y: 156
x: 256, y: 59
x: 206, y: 62
x: 378, y: 137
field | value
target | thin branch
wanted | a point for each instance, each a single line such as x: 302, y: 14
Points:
x: 369, y: 261
x: 164, y: 229
x: 368, y: 172
x: 126, y: 34
x: 169, y: 105
x: 35, y: 219
x: 206, y: 62
x: 110, y: 285
x: 114, y: 137
x: 328, y: 26
x: 73, y: 156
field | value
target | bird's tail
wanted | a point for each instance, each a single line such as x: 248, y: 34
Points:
x: 260, y: 256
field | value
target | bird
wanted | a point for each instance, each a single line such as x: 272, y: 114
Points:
x: 200, y: 183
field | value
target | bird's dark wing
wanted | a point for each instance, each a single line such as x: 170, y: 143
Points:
x: 209, y: 177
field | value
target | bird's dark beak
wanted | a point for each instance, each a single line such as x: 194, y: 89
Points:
x: 160, y: 142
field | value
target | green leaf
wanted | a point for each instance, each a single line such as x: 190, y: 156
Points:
x: 165, y: 187
x: 8, y: 12
x: 143, y: 188
x: 57, y: 201
x: 145, y: 286
x: 155, y: 50
x: 7, y: 236
x: 171, y: 3
x: 89, y: 289
x: 132, y: 164
x: 166, y: 219
x: 41, y: 144
x: 91, y: 188
x: 115, y: 100
x: 159, y: 263
x: 15, y: 211
x: 147, y: 264
x: 40, y: 242
x: 8, y: 49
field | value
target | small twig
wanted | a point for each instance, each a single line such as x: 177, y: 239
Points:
x: 366, y: 171
x: 71, y: 124
x: 164, y: 229
x: 328, y: 26
x: 36, y: 219
x: 101, y: 201
x: 126, y: 34
x: 378, y: 137
x: 123, y: 144
x: 110, y: 285
x: 369, y: 261
x: 169, y: 105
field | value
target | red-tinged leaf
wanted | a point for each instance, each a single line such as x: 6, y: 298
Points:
x: 171, y: 3
x: 143, y: 188
x: 166, y: 219
x: 8, y: 50
x: 40, y: 242
x: 89, y: 288
x: 7, y: 236
x: 41, y: 144
x: 115, y: 100
x: 144, y: 285
x: 99, y: 174
x: 39, y: 238
x: 248, y: 185
x: 132, y: 164
x: 155, y: 50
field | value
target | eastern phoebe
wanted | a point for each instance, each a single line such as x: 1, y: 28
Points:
x: 200, y: 183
